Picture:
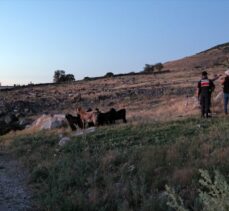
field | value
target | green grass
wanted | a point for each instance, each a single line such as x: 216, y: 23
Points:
x: 125, y: 167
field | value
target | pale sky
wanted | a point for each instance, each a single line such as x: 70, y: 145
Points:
x: 93, y: 37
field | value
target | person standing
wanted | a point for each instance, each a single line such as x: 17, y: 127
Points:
x: 205, y: 89
x: 225, y: 84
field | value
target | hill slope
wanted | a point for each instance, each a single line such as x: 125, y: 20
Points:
x: 123, y: 167
x: 212, y: 58
x: 145, y: 96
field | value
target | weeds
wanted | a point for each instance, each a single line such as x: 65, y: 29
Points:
x: 125, y: 167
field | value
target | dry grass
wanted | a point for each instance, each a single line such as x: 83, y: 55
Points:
x: 183, y: 176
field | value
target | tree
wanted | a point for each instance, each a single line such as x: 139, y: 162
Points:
x: 158, y: 66
x: 148, y: 68
x: 59, y: 76
x: 87, y: 78
x: 109, y: 74
x: 69, y: 77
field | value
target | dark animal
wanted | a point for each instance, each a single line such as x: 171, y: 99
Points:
x: 74, y: 121
x: 10, y: 122
x: 116, y: 115
x: 104, y: 118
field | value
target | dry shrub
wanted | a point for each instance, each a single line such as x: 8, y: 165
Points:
x: 205, y: 150
x: 172, y: 154
x: 93, y: 195
x: 183, y: 176
x: 220, y: 155
x: 152, y: 161
x: 109, y: 157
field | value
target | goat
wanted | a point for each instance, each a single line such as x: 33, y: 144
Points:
x: 74, y: 121
x: 116, y: 115
x: 88, y: 117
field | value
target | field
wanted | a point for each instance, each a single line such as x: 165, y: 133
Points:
x: 124, y: 166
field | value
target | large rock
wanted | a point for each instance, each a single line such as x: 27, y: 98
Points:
x: 50, y: 122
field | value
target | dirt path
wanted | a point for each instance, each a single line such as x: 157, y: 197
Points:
x: 14, y: 193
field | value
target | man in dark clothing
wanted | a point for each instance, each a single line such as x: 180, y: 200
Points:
x: 205, y: 88
x: 225, y: 84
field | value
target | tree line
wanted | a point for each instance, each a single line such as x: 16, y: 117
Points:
x: 60, y: 76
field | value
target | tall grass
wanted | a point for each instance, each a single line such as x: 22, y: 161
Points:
x: 125, y: 167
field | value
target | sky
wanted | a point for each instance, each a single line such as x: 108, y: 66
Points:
x: 89, y: 38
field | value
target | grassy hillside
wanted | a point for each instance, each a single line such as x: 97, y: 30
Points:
x: 125, y: 167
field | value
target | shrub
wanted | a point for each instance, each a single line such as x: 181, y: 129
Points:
x: 109, y: 74
x: 214, y: 194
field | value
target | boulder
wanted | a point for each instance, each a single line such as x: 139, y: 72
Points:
x: 50, y: 122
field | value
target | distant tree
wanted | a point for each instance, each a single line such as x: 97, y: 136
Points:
x: 87, y: 78
x: 131, y: 73
x: 158, y: 66
x: 148, y: 68
x: 109, y: 74
x: 69, y: 78
x: 59, y: 76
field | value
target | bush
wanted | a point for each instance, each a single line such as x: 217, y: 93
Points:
x: 109, y: 74
x: 214, y: 195
x: 60, y: 76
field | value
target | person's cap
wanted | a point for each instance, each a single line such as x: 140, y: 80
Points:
x: 204, y: 73
x: 227, y: 72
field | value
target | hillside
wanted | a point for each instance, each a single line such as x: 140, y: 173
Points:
x: 213, y: 59
x: 157, y: 91
x: 122, y: 166
x: 125, y: 167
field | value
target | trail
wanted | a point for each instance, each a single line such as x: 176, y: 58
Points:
x: 14, y: 193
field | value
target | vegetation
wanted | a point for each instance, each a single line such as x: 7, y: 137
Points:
x: 126, y: 167
x: 87, y: 78
x: 214, y: 195
x: 152, y: 68
x: 109, y: 74
x: 60, y: 76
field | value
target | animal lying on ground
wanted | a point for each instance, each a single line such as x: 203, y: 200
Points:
x: 74, y: 121
x: 87, y: 117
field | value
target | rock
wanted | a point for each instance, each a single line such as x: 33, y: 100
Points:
x: 10, y: 118
x: 84, y: 132
x: 9, y: 122
x: 50, y: 122
x: 64, y: 140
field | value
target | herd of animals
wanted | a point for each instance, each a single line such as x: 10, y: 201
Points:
x: 95, y: 118
x: 83, y: 119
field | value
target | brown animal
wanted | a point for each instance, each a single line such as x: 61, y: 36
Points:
x: 87, y: 117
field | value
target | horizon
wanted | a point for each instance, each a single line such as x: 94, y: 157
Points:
x: 91, y: 38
